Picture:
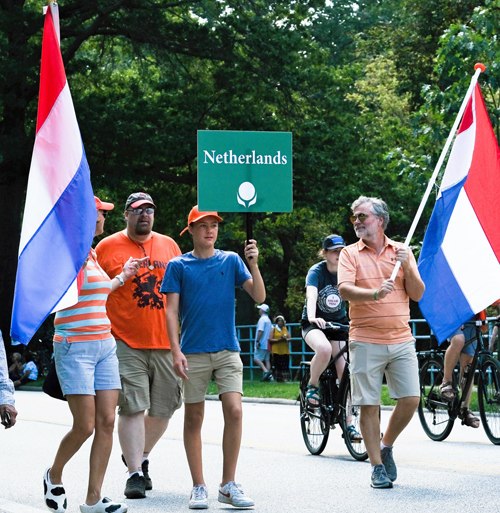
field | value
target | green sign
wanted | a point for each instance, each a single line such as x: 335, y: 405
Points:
x: 244, y: 171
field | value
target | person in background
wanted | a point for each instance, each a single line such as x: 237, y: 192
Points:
x: 494, y: 333
x: 262, y: 355
x: 87, y: 368
x: 280, y: 341
x: 8, y: 412
x: 29, y: 370
x: 16, y: 368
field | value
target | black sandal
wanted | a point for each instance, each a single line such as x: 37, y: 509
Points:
x: 447, y: 391
x: 468, y: 418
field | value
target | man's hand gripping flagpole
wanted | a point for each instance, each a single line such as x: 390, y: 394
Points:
x: 479, y: 68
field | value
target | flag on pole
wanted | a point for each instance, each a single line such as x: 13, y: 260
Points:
x: 459, y: 262
x: 60, y: 213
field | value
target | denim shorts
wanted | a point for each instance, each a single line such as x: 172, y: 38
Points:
x: 469, y: 333
x: 262, y: 354
x: 84, y: 367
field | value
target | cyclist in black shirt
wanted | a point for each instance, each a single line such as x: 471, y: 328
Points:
x: 324, y: 304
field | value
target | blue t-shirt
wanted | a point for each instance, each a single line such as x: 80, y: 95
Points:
x: 206, y: 304
x: 329, y: 305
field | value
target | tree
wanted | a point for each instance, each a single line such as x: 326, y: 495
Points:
x: 145, y: 76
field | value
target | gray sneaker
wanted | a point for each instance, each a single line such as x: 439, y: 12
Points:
x: 388, y: 461
x: 380, y: 479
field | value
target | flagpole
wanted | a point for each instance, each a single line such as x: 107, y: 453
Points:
x: 55, y: 17
x: 479, y: 68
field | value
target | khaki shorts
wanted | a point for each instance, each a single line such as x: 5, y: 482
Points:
x: 226, y: 367
x: 369, y: 362
x: 148, y: 382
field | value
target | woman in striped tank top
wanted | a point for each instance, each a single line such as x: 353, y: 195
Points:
x: 87, y: 367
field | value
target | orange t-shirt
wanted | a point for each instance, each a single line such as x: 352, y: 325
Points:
x: 385, y: 321
x: 137, y: 310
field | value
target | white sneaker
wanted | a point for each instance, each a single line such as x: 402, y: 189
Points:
x: 105, y: 505
x: 199, y: 497
x: 234, y: 495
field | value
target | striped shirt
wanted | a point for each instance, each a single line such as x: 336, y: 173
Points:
x: 385, y: 321
x: 87, y: 320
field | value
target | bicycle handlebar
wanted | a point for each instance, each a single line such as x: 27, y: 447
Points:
x: 335, y: 326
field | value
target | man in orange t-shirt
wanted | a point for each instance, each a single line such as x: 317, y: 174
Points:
x: 380, y: 338
x: 151, y: 391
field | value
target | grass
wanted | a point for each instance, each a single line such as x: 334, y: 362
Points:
x: 273, y: 390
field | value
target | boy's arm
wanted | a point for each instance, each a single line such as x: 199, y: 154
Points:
x: 255, y: 285
x: 172, y: 319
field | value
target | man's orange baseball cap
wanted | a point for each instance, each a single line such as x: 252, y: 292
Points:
x: 196, y: 215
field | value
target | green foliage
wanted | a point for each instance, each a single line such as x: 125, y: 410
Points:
x: 368, y: 90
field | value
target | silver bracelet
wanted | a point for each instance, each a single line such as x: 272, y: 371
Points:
x: 120, y: 279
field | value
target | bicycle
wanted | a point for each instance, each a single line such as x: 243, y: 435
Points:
x: 437, y: 415
x: 335, y: 407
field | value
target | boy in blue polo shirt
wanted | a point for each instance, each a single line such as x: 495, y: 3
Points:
x: 200, y: 286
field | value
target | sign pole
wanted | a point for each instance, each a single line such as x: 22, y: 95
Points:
x: 248, y: 221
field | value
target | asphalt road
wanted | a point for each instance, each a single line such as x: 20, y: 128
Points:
x: 275, y: 469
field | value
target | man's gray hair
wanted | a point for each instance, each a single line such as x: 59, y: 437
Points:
x: 378, y: 208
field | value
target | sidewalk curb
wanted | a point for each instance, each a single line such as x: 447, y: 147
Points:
x: 274, y: 400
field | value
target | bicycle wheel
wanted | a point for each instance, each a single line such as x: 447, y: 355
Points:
x: 489, y: 398
x: 313, y: 421
x: 350, y: 417
x: 432, y: 409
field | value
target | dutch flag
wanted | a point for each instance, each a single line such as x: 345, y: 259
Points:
x: 459, y: 262
x: 60, y: 212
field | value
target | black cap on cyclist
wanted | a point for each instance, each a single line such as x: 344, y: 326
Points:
x: 333, y: 241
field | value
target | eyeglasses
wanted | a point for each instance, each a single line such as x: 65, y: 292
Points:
x: 104, y: 213
x: 139, y: 211
x: 360, y: 217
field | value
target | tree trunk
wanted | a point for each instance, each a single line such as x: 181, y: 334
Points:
x: 12, y: 193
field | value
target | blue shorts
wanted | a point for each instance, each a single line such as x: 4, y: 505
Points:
x: 262, y: 355
x: 84, y: 367
x: 469, y: 332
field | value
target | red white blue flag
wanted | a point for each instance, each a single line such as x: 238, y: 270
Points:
x: 60, y: 213
x: 460, y: 258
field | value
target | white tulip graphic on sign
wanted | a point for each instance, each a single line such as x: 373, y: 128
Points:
x: 246, y: 195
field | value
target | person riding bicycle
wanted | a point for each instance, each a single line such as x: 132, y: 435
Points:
x: 462, y: 346
x: 324, y: 304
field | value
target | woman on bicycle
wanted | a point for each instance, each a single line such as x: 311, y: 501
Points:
x: 324, y: 304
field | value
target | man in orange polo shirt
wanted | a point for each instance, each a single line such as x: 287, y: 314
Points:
x: 151, y: 391
x: 380, y: 337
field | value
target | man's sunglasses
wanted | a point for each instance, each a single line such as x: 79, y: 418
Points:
x: 139, y: 211
x: 361, y: 218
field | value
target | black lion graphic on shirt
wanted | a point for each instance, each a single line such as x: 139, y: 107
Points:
x: 147, y: 291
